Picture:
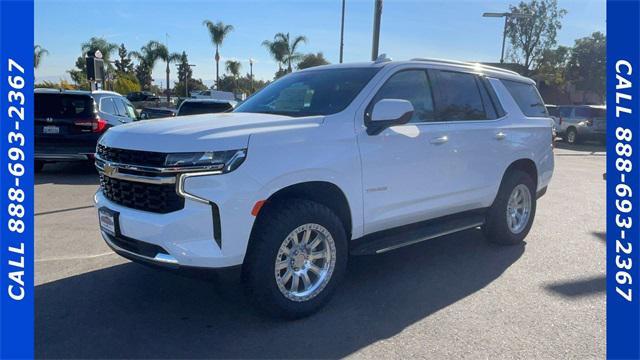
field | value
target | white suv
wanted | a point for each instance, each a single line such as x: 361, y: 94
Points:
x: 325, y: 163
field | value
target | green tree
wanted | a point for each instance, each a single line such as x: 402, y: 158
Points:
x: 282, y: 43
x: 587, y: 64
x: 184, y: 74
x: 311, y: 60
x: 278, y: 51
x: 167, y: 57
x: 217, y: 32
x: 124, y: 64
x: 530, y: 36
x: 38, y: 53
x: 126, y: 83
x: 147, y: 58
x: 94, y: 44
x: 194, y: 85
x: 233, y: 68
x: 552, y: 65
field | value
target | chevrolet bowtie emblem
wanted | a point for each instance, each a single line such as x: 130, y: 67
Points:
x: 109, y: 170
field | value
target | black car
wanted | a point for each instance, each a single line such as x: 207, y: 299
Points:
x: 205, y: 106
x: 142, y: 96
x: 154, y: 113
x: 69, y: 123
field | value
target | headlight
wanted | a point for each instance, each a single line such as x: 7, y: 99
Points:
x: 209, y: 160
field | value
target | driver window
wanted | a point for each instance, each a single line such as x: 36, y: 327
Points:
x: 413, y: 86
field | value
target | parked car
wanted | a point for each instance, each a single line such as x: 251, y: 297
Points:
x: 204, y: 106
x: 68, y: 123
x: 324, y: 163
x: 213, y: 94
x: 577, y: 123
x: 160, y: 112
x: 142, y: 96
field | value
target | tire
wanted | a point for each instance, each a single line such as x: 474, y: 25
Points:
x: 271, y: 290
x: 572, y: 136
x: 37, y: 166
x: 497, y: 228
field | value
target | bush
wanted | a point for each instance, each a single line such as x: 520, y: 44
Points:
x: 125, y: 84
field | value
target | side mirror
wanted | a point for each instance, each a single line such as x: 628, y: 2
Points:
x: 387, y: 113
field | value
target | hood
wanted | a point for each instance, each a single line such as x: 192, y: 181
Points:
x: 224, y: 131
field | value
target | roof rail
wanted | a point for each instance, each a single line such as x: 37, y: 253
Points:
x: 456, y: 62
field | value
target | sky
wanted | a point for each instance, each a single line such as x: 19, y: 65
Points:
x: 410, y: 28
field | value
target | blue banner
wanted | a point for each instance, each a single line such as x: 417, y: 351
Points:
x: 16, y: 179
x: 623, y: 182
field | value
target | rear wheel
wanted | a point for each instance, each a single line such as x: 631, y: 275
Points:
x: 511, y: 215
x: 572, y: 136
x: 298, y: 254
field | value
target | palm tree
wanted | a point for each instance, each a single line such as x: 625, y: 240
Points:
x: 147, y: 56
x: 277, y: 50
x: 38, y: 53
x: 217, y: 32
x: 106, y: 48
x: 163, y: 54
x: 233, y: 68
x: 282, y: 44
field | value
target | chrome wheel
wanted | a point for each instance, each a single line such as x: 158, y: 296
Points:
x: 519, y: 209
x: 305, y: 262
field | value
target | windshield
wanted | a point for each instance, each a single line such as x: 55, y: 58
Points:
x: 315, y: 92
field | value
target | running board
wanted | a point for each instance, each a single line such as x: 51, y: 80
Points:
x: 387, y: 240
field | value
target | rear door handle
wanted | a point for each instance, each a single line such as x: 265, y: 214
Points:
x: 439, y: 140
x: 501, y: 136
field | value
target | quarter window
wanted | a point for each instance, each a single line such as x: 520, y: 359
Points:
x: 527, y: 97
x: 413, y: 86
x: 107, y: 106
x: 458, y: 97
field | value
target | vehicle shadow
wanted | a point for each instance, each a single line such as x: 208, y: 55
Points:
x: 590, y: 148
x: 68, y: 174
x: 131, y: 311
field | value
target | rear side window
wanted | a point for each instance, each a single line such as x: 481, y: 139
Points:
x: 527, y: 98
x: 194, y: 108
x: 458, y: 97
x: 587, y: 112
x: 553, y: 111
x: 63, y: 106
x: 120, y: 107
x: 107, y: 106
x: 565, y: 111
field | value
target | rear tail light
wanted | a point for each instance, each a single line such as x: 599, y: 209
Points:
x: 96, y: 125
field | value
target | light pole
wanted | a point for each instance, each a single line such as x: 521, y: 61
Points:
x: 506, y: 16
x: 251, y: 73
x: 186, y: 81
x: 377, y: 14
x: 342, y: 33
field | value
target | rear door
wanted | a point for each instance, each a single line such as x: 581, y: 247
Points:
x: 478, y: 138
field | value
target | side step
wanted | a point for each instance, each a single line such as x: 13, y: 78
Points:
x: 395, y: 238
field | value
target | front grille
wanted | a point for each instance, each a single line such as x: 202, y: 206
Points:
x: 131, y: 157
x: 141, y: 196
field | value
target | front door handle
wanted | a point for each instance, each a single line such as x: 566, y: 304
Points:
x: 439, y: 140
x: 501, y: 136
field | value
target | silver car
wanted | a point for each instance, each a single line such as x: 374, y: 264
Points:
x: 576, y: 123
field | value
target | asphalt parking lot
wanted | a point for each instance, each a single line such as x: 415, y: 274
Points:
x: 452, y: 297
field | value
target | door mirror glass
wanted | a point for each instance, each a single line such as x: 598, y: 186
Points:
x: 389, y: 112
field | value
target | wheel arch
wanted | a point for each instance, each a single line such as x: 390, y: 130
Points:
x: 525, y: 165
x: 322, y: 192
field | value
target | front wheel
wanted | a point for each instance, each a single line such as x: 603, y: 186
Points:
x: 511, y: 215
x: 297, y: 255
x: 572, y: 136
